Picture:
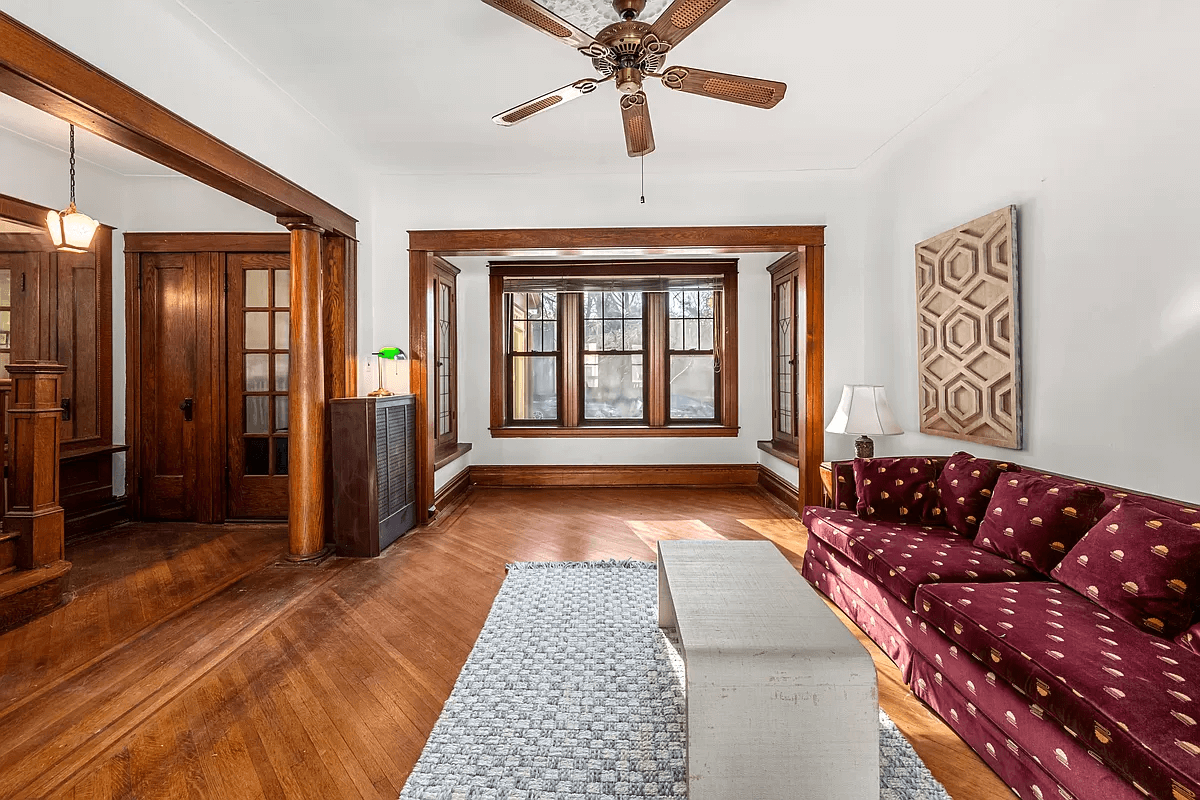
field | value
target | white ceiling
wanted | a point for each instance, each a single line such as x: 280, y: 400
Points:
x: 413, y: 85
x: 28, y: 122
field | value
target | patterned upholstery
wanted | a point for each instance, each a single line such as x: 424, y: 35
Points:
x: 965, y: 489
x: 1127, y: 696
x: 902, y: 557
x: 1032, y: 754
x: 877, y: 613
x: 898, y: 489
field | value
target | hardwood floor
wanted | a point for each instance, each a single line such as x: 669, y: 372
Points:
x: 190, y: 665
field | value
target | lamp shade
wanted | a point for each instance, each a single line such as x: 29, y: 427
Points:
x: 392, y: 354
x: 864, y: 410
x: 71, y: 231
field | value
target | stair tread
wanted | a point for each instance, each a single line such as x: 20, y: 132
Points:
x: 25, y: 579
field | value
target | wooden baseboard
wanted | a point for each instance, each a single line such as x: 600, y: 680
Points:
x: 778, y: 488
x: 453, y: 491
x: 541, y: 476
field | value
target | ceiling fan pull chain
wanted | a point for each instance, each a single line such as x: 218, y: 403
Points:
x: 642, y: 161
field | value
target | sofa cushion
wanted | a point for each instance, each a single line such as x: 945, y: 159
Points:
x: 897, y: 490
x: 1140, y: 565
x: 1128, y: 696
x: 965, y: 488
x: 1036, y: 522
x: 902, y: 557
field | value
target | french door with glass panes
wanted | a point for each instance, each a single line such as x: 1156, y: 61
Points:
x: 258, y: 328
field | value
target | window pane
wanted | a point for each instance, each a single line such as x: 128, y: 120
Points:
x: 613, y: 387
x: 676, y: 334
x: 257, y: 334
x: 281, y: 455
x: 257, y: 368
x: 281, y: 372
x: 281, y: 413
x: 518, y: 303
x: 283, y: 286
x: 549, y: 337
x: 614, y: 307
x: 593, y: 334
x: 534, y: 387
x: 693, y: 387
x: 256, y: 288
x: 633, y: 304
x: 257, y: 458
x: 282, y: 333
x: 549, y: 305
x: 706, y: 334
x: 706, y: 304
x: 691, y: 334
x: 612, y: 334
x: 593, y: 305
x: 520, y: 336
x: 633, y: 334
x: 256, y: 414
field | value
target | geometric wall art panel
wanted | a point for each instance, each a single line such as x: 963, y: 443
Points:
x: 968, y: 332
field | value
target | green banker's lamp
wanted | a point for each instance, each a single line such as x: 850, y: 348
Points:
x: 391, y: 354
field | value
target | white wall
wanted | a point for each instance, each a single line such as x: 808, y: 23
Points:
x: 1091, y: 129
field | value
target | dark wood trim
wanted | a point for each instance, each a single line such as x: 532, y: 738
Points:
x: 540, y: 476
x: 133, y: 383
x: 22, y: 211
x: 614, y: 269
x: 444, y: 274
x: 783, y: 455
x: 460, y: 450
x: 420, y: 310
x: 778, y: 488
x: 496, y: 345
x: 570, y: 326
x: 37, y: 71
x: 785, y: 272
x: 813, y: 443
x: 657, y: 361
x: 191, y: 242
x: 728, y: 400
x: 444, y: 265
x: 787, y: 262
x: 616, y: 432
x: 454, y: 490
x: 571, y: 241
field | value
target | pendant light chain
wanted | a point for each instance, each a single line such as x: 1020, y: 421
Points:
x: 72, y: 165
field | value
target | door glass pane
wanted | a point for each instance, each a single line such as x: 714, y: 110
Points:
x: 258, y: 456
x: 281, y: 372
x: 5, y: 288
x: 535, y: 388
x: 5, y: 329
x: 693, y: 387
x: 256, y: 371
x: 4, y: 374
x: 281, y: 455
x: 281, y: 412
x: 283, y: 286
x: 282, y: 334
x: 256, y: 288
x: 256, y: 414
x: 257, y: 334
x: 612, y: 387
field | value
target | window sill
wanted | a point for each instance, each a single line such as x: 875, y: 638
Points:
x: 782, y: 455
x: 629, y: 432
x: 442, y: 459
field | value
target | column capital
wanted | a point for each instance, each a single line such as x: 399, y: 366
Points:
x: 299, y: 224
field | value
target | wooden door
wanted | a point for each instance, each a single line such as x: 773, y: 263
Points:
x: 258, y: 324
x: 169, y: 387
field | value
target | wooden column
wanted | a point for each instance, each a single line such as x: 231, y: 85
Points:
x: 34, y: 513
x: 306, y: 400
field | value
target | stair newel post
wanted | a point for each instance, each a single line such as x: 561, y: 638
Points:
x: 33, y: 510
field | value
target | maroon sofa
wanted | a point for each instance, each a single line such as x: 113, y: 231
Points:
x: 1059, y: 697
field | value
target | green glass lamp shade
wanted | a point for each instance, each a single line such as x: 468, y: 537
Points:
x: 392, y: 354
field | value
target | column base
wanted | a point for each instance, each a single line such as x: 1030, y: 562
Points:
x: 306, y: 560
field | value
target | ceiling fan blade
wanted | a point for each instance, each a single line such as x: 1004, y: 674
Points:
x: 546, y: 102
x: 722, y: 86
x: 539, y: 17
x: 684, y: 16
x: 635, y: 115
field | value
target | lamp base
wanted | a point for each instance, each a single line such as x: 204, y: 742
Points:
x: 864, y: 447
x: 381, y: 393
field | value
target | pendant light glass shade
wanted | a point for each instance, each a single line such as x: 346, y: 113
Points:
x: 71, y: 231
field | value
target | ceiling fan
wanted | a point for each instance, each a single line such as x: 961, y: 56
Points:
x: 628, y: 52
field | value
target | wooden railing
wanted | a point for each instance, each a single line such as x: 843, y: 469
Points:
x: 5, y: 390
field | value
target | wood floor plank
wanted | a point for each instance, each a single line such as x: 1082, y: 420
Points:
x: 189, y: 666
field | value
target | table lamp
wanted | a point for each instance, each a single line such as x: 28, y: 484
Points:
x: 864, y: 410
x: 391, y: 354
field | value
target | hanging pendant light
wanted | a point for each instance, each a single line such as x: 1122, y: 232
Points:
x: 71, y: 231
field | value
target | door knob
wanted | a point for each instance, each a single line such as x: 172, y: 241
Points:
x: 186, y: 408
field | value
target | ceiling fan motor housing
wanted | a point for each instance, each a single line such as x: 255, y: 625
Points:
x: 625, y: 43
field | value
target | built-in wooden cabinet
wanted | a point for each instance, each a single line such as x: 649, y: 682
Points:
x: 57, y: 306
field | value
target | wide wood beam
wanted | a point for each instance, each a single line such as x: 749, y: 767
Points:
x: 306, y: 401
x: 580, y: 241
x: 39, y: 72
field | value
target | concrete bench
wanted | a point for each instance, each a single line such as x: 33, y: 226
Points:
x: 782, y: 701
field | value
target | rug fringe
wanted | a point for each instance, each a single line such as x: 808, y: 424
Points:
x: 611, y: 563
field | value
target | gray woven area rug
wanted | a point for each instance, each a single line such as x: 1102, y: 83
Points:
x: 572, y: 692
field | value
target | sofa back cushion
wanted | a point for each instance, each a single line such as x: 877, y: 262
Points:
x: 1139, y: 564
x: 965, y: 488
x: 897, y: 490
x: 1035, y: 522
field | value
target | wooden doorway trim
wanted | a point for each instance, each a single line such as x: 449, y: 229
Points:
x: 807, y: 241
x: 37, y: 71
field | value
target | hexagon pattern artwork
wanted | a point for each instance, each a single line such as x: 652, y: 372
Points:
x: 968, y: 332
